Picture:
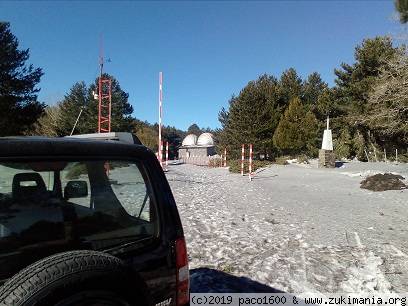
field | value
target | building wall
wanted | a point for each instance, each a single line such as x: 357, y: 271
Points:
x: 196, y: 155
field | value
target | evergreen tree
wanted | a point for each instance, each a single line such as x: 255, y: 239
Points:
x: 402, y: 8
x: 252, y: 117
x: 290, y: 87
x: 312, y: 89
x: 149, y: 137
x: 18, y: 81
x: 121, y: 111
x: 194, y: 129
x: 76, y: 99
x: 359, y: 146
x: 49, y: 123
x: 354, y: 82
x: 310, y: 128
x: 297, y: 130
x: 387, y: 114
x: 223, y: 116
x: 343, y: 144
x: 80, y: 96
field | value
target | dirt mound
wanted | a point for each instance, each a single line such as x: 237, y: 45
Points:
x: 383, y: 182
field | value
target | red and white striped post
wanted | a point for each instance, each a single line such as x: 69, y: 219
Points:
x: 250, y: 162
x: 161, y: 152
x: 167, y: 153
x: 242, y: 159
x: 160, y: 117
x: 225, y: 157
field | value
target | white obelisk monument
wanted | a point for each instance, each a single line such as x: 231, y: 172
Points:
x: 327, y: 143
x: 326, y: 154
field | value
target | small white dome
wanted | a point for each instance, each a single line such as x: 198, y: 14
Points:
x: 205, y: 139
x: 190, y: 140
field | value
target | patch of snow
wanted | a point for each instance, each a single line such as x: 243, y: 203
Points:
x: 291, y: 228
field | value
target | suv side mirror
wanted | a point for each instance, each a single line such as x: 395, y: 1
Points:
x: 76, y: 189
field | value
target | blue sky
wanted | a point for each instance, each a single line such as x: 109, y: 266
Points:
x: 206, y: 50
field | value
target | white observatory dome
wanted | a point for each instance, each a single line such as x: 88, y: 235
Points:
x: 190, y: 140
x: 205, y: 139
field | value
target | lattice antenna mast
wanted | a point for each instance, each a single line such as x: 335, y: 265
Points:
x: 104, y: 97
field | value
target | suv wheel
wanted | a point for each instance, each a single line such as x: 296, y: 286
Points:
x: 72, y: 278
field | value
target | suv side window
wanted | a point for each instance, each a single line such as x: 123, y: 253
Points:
x: 119, y: 204
x: 131, y: 189
x: 49, y: 207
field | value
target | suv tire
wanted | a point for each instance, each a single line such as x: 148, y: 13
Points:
x: 72, y: 278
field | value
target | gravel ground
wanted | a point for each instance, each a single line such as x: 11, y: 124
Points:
x: 293, y: 228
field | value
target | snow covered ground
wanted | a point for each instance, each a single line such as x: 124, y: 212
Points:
x: 293, y: 228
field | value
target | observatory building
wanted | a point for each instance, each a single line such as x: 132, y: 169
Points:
x: 197, y: 150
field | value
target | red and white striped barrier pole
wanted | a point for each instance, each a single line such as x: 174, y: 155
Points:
x: 160, y: 117
x: 161, y: 152
x: 242, y: 159
x: 167, y: 153
x: 250, y: 162
x: 225, y: 157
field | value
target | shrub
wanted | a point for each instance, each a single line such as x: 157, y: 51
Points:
x: 303, y: 158
x: 403, y: 158
x: 215, y: 162
x: 235, y: 165
x: 282, y: 160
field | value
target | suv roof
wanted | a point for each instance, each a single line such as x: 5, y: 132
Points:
x: 68, y: 146
x: 117, y: 136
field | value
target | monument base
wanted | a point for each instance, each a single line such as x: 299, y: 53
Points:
x: 326, y: 159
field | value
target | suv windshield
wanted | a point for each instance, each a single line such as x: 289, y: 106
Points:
x: 47, y: 207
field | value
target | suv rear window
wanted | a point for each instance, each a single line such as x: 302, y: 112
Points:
x: 48, y: 207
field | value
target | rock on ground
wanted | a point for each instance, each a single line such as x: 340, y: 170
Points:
x: 383, y: 182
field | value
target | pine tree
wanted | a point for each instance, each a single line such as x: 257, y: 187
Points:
x: 312, y: 88
x: 354, y: 84
x: 359, y: 146
x: 343, y: 144
x: 80, y: 96
x: 18, y: 81
x: 387, y: 105
x: 148, y: 136
x: 290, y: 86
x: 49, y: 123
x: 76, y: 99
x: 297, y: 130
x: 402, y: 8
x: 194, y: 129
x: 252, y: 117
x: 121, y: 120
x: 310, y: 129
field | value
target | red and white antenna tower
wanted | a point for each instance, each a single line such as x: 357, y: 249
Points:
x: 104, y: 98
